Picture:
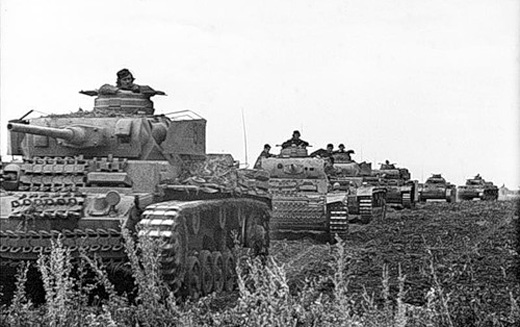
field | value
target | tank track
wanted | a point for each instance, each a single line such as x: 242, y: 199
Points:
x: 369, y: 209
x: 490, y: 195
x: 407, y: 200
x: 338, y: 218
x: 53, y: 174
x: 46, y: 205
x: 294, y: 213
x: 365, y: 209
x: 451, y: 195
x: 47, y: 191
x: 199, y: 268
x: 63, y: 174
x: 18, y: 246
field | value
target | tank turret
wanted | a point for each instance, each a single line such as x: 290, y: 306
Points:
x: 129, y: 136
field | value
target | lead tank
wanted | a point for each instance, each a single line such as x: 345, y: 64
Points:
x: 84, y: 175
x: 478, y: 188
x: 302, y: 198
x: 437, y: 188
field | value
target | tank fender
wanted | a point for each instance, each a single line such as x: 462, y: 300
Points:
x: 142, y: 200
x: 337, y: 197
x: 365, y: 190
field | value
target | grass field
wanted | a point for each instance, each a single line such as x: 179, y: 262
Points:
x: 437, y: 265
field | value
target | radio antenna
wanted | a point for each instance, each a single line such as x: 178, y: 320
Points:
x: 245, y: 136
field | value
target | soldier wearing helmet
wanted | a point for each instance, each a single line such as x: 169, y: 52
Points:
x: 295, y: 140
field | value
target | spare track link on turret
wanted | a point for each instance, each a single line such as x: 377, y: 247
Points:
x: 196, y: 256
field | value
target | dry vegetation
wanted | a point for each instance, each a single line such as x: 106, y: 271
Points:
x: 437, y: 265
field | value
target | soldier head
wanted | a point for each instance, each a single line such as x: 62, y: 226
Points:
x: 341, y: 147
x: 267, y: 147
x: 296, y: 135
x: 330, y: 147
x: 125, y: 79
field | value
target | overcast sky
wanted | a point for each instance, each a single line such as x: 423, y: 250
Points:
x: 430, y: 85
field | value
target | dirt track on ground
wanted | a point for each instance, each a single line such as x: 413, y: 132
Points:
x: 470, y: 249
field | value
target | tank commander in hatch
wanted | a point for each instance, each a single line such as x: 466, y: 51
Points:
x: 341, y: 149
x: 344, y: 154
x: 295, y: 140
x: 124, y: 83
x: 387, y: 165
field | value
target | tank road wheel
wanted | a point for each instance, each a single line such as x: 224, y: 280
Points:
x: 229, y: 271
x: 217, y: 271
x: 206, y: 272
x: 192, y: 282
x: 407, y: 200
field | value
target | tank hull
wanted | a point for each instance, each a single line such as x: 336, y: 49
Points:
x: 88, y: 217
x: 302, y: 202
x: 484, y: 194
x: 449, y: 194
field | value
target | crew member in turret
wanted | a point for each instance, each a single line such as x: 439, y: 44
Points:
x: 324, y: 153
x: 295, y: 140
x: 264, y: 154
x: 124, y: 83
x: 387, y: 165
x: 341, y: 148
x: 344, y: 154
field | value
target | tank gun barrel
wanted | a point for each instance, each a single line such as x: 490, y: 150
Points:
x: 72, y: 134
x: 60, y: 133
